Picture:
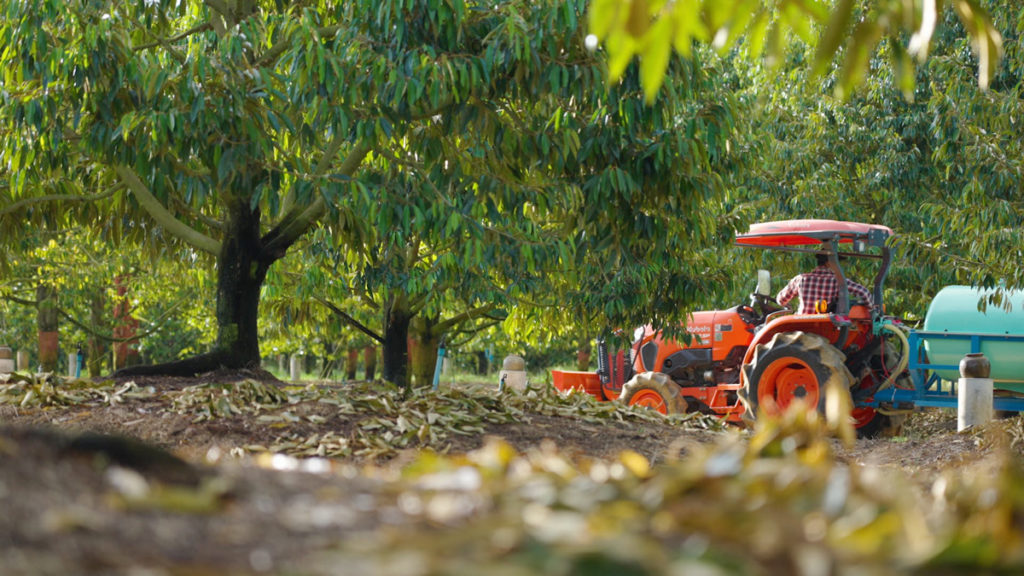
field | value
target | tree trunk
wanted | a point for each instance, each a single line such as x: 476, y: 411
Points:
x: 482, y: 365
x: 369, y: 362
x: 351, y: 364
x: 126, y: 327
x: 46, y: 319
x: 396, y: 353
x: 241, y: 270
x: 583, y: 356
x: 424, y: 357
x: 240, y: 276
x: 95, y: 349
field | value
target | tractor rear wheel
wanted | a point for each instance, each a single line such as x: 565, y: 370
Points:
x: 654, y: 390
x: 793, y: 366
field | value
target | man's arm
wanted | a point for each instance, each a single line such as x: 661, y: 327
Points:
x: 789, y: 292
x: 859, y: 292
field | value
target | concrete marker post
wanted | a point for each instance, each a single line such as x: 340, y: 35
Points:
x: 23, y: 360
x: 296, y: 368
x: 6, y: 360
x: 974, y: 406
x: 513, y: 373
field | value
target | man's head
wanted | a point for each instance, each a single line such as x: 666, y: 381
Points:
x: 822, y: 259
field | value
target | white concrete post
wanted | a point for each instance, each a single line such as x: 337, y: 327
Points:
x: 974, y: 402
x: 23, y: 361
x: 513, y: 373
x: 296, y: 368
x: 6, y: 360
x: 974, y: 405
x: 72, y: 364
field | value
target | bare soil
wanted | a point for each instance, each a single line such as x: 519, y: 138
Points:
x: 134, y: 488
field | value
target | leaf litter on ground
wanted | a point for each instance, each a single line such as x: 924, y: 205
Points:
x: 772, y: 500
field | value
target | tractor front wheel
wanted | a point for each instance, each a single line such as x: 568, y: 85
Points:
x: 793, y: 366
x: 654, y: 390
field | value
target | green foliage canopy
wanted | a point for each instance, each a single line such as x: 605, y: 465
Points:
x: 851, y: 29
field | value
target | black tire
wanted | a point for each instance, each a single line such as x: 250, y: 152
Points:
x: 654, y: 390
x: 791, y: 366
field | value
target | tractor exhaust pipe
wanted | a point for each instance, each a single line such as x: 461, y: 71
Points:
x: 603, y: 362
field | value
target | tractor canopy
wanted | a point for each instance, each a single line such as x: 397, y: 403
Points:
x: 788, y: 233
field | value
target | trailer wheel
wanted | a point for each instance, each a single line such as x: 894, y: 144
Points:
x: 654, y: 390
x: 869, y: 422
x: 793, y: 366
x: 879, y: 425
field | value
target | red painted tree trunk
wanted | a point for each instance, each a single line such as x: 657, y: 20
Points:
x: 351, y: 364
x: 46, y: 320
x: 369, y: 362
x: 126, y: 327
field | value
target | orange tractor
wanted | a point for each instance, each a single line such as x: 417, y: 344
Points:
x: 762, y: 356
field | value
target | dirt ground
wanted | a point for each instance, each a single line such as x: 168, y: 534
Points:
x: 133, y: 487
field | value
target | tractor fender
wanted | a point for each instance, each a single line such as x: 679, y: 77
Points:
x: 820, y: 324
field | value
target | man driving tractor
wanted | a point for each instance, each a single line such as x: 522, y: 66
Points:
x: 817, y: 286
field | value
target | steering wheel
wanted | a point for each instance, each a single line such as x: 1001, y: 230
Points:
x: 748, y: 314
x: 767, y: 304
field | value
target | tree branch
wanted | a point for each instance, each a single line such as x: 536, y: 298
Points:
x: 219, y: 7
x: 460, y: 318
x: 60, y: 198
x: 88, y: 329
x: 164, y: 41
x: 350, y: 320
x: 211, y: 223
x: 162, y: 216
x: 453, y: 343
x: 278, y: 49
x: 288, y: 205
x: 299, y: 220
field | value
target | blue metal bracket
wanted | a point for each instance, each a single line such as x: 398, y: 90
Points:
x: 928, y: 386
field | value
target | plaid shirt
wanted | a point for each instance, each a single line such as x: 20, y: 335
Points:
x: 819, y: 284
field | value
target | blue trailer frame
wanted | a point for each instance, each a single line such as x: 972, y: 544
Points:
x: 927, y: 390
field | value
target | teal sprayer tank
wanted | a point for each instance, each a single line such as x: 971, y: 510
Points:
x: 955, y: 310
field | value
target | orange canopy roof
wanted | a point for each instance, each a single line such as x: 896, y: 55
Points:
x: 810, y: 232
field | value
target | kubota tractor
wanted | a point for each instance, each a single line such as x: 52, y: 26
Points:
x: 762, y: 356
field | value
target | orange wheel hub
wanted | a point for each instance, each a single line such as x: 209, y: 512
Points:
x: 649, y: 399
x: 862, y: 416
x: 785, y: 381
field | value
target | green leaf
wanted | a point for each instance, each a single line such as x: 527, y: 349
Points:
x: 865, y: 37
x: 654, y: 60
x: 621, y: 48
x: 903, y: 68
x: 833, y: 36
x: 987, y: 42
